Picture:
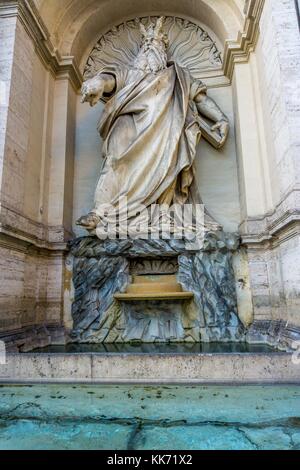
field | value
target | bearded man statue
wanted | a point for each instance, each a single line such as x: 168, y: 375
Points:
x: 151, y: 125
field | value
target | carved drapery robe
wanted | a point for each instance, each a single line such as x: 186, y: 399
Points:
x: 150, y: 131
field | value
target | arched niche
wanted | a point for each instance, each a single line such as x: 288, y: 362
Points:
x: 75, y: 26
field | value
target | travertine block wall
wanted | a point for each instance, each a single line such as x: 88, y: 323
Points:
x: 31, y: 273
x: 18, y: 122
x: 7, y: 35
x: 27, y: 135
x: 275, y: 279
x: 272, y: 236
x: 278, y: 56
x: 30, y: 289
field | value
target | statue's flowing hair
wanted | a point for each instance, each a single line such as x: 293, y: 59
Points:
x: 152, y: 56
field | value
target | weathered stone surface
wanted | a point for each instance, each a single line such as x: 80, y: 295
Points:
x: 276, y: 333
x: 152, y: 368
x: 152, y: 321
x: 30, y: 338
x: 209, y: 275
x: 101, y: 268
x: 95, y: 282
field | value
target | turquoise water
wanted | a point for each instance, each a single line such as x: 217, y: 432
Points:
x: 149, y: 417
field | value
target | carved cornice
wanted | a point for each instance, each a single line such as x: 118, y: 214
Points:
x: 21, y: 233
x: 239, y: 51
x: 15, y: 242
x: 274, y: 228
x: 27, y: 13
x: 288, y: 229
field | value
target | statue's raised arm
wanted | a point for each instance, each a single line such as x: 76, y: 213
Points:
x: 93, y: 89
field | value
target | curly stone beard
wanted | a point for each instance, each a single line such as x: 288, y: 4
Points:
x: 151, y: 58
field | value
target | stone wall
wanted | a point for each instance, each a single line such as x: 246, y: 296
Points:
x: 7, y: 35
x: 30, y: 288
x: 272, y: 236
x: 31, y: 272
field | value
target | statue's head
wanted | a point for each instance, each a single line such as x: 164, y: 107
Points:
x: 152, y: 56
x: 154, y: 34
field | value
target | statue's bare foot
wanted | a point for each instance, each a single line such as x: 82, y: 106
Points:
x: 89, y: 222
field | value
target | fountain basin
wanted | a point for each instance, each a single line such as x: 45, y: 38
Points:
x: 131, y: 417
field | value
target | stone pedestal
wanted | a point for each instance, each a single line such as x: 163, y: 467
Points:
x: 104, y: 268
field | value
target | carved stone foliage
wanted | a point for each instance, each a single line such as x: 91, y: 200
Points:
x: 190, y: 46
x: 102, y: 268
x: 153, y: 266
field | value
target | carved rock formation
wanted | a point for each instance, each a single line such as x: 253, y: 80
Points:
x: 102, y: 268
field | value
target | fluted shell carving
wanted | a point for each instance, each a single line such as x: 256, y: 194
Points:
x: 189, y: 45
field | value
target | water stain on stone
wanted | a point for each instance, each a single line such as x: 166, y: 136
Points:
x: 294, y: 421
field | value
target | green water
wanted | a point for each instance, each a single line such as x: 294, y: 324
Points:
x: 149, y: 417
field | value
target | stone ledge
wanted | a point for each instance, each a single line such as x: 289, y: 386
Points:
x: 12, y: 240
x: 129, y: 297
x: 276, y: 333
x: 17, y: 225
x: 274, y: 227
x: 32, y: 337
x: 150, y: 368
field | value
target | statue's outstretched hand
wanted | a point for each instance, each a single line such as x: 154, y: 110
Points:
x: 223, y: 128
x: 92, y: 90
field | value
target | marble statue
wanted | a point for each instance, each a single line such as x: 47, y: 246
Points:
x: 155, y: 113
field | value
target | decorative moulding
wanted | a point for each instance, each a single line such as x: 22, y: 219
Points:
x: 239, y: 51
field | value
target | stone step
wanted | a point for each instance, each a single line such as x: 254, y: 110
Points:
x: 128, y: 297
x: 154, y: 287
x: 157, y: 278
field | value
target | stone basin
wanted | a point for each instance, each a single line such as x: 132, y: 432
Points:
x: 155, y: 287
